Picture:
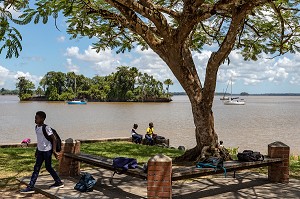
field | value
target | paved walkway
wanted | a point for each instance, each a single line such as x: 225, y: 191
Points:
x: 246, y: 185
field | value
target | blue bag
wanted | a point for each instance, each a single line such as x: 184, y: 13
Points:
x: 212, y: 162
x: 122, y: 164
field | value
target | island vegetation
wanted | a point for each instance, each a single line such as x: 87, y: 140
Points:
x: 126, y: 84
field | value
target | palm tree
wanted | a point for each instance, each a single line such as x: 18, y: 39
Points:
x: 168, y: 82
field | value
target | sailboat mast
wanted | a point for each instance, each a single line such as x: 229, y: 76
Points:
x: 231, y: 88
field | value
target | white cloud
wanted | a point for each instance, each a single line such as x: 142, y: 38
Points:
x: 33, y: 78
x: 103, y: 62
x: 8, y: 79
x: 4, y: 75
x: 61, y: 39
x: 254, y: 72
x: 251, y: 73
x: 147, y: 61
x: 72, y: 67
x: 89, y: 55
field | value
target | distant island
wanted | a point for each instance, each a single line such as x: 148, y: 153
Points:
x: 127, y: 84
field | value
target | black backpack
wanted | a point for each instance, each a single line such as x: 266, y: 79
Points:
x: 250, y: 156
x: 58, y: 140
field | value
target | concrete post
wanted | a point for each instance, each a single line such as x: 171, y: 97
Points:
x: 68, y: 166
x: 159, y: 177
x: 279, y: 172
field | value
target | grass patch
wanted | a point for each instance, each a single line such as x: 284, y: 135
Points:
x: 16, y: 163
x: 125, y: 149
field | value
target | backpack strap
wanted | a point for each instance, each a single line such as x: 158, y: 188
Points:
x: 45, y: 133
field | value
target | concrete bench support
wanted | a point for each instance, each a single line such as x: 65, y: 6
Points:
x: 69, y: 166
x: 279, y: 172
x: 159, y: 177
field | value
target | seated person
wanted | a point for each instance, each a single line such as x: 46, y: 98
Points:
x: 150, y: 135
x: 224, y: 153
x: 137, y: 138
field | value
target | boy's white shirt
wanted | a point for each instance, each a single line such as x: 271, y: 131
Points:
x: 42, y: 143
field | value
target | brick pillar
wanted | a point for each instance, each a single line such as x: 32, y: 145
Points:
x: 159, y: 177
x: 68, y: 166
x: 279, y: 172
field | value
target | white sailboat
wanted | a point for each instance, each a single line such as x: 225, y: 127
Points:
x: 233, y: 100
x: 224, y: 93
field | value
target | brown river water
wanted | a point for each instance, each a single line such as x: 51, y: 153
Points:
x: 263, y: 120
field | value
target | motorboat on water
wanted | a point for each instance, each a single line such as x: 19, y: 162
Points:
x: 77, y: 102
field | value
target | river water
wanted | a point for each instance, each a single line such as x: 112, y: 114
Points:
x: 263, y: 120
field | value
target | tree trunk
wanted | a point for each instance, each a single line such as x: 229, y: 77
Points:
x: 204, y: 132
x: 179, y: 59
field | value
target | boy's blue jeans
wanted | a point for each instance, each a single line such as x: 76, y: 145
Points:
x: 41, y: 157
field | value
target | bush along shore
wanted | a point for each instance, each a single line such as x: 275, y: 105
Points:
x: 18, y: 162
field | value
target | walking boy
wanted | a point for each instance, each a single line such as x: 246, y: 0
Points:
x: 43, y: 153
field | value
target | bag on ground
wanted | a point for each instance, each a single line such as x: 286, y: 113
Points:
x: 212, y: 162
x: 86, y: 183
x: 250, y: 156
x: 122, y: 164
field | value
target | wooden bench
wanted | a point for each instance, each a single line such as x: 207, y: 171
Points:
x: 161, y: 173
x: 105, y: 163
x: 181, y: 173
x: 178, y: 173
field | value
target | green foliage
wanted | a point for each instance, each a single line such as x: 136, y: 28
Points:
x: 127, y: 84
x: 25, y: 87
x: 233, y: 152
x: 4, y: 91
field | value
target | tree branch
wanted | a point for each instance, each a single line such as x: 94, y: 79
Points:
x: 277, y: 10
x: 150, y: 12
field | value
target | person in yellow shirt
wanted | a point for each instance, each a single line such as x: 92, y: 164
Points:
x: 150, y: 134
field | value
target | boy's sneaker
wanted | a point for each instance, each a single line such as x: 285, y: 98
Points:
x: 27, y: 190
x: 57, y: 185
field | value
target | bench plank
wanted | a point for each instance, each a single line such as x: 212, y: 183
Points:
x: 105, y: 163
x: 193, y: 172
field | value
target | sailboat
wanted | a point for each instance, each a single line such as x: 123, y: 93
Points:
x: 224, y: 93
x: 76, y: 101
x: 233, y: 100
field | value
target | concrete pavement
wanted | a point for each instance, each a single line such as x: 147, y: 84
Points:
x: 245, y: 185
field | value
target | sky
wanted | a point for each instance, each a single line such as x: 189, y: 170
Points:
x: 46, y: 48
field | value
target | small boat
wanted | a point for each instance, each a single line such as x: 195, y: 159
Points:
x: 77, y: 102
x: 233, y: 100
x: 224, y: 98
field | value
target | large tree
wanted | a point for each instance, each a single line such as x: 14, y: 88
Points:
x: 173, y: 29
